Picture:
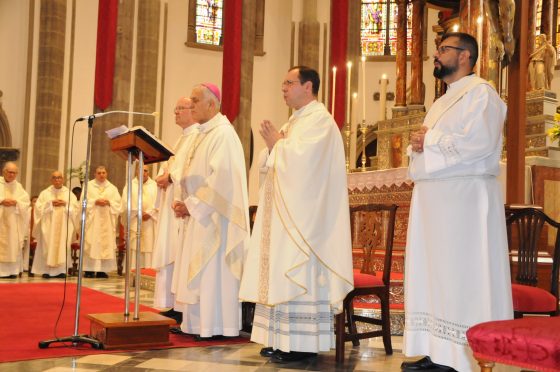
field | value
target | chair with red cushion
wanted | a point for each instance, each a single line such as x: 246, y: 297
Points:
x: 373, y: 227
x: 531, y: 342
x: 529, y: 228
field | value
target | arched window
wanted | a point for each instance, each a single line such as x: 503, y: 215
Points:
x: 206, y: 25
x: 538, y: 14
x: 378, y: 31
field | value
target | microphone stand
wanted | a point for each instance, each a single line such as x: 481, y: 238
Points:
x: 76, y: 338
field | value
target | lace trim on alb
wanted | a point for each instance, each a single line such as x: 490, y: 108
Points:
x: 440, y: 328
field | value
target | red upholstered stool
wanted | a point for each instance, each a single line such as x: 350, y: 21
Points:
x: 531, y: 342
x: 528, y: 299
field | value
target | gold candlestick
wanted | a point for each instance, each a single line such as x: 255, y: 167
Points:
x: 363, y: 130
x: 347, y: 132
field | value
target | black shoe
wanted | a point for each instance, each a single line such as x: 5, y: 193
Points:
x: 46, y: 276
x: 101, y: 274
x: 292, y: 356
x: 424, y: 364
x: 268, y: 352
x: 199, y: 338
x: 177, y: 331
x: 31, y: 275
x: 89, y: 274
x: 173, y: 314
x: 59, y: 276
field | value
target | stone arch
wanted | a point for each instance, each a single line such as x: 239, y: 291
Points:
x: 5, y: 134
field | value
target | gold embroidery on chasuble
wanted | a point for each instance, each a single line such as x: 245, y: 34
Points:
x: 264, y: 261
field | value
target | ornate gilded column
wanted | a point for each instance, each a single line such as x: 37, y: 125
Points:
x: 546, y: 19
x: 417, y: 89
x: 400, y: 102
x: 48, y: 110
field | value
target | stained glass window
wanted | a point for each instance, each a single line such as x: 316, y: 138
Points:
x: 538, y: 15
x: 209, y: 21
x: 378, y: 30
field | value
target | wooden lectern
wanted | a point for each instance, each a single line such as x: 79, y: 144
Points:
x: 116, y: 330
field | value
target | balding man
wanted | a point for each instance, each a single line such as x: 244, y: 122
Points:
x: 214, y: 198
x: 55, y: 222
x: 14, y: 221
x: 170, y: 227
x: 103, y: 208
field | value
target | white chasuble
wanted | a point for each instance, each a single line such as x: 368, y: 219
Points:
x: 300, y: 250
x: 169, y: 227
x: 149, y: 193
x: 52, y: 226
x: 101, y: 227
x: 457, y: 266
x: 14, y: 226
x: 209, y: 263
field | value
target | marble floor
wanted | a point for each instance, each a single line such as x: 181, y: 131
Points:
x: 369, y: 356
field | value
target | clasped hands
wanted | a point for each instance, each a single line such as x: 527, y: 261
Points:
x: 8, y: 203
x: 163, y: 180
x: 417, y: 139
x: 58, y: 203
x: 102, y: 202
x: 270, y: 134
x: 180, y: 209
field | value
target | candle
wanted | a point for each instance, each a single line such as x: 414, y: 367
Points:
x: 479, y: 40
x: 333, y: 90
x: 363, y: 88
x: 383, y: 97
x: 348, y: 93
x: 353, y: 130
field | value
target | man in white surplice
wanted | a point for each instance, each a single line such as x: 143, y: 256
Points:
x: 169, y: 227
x: 149, y: 192
x: 103, y: 208
x: 299, y: 264
x: 209, y: 264
x: 55, y: 218
x: 14, y: 221
x: 457, y: 268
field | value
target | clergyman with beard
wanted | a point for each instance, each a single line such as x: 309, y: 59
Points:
x: 457, y: 268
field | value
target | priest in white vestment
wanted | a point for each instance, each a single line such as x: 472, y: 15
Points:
x: 103, y: 208
x: 299, y: 265
x: 457, y: 267
x: 170, y: 227
x: 56, y: 216
x: 149, y: 219
x: 209, y: 264
x: 14, y: 222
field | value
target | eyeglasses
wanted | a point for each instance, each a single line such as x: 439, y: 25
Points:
x: 444, y: 48
x: 289, y: 83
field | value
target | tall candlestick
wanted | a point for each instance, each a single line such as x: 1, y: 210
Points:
x: 348, y: 93
x: 383, y: 97
x: 363, y: 87
x: 479, y: 39
x: 333, y: 98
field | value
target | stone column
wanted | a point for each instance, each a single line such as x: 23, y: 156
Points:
x: 309, y: 36
x: 418, y: 27
x: 546, y: 19
x: 400, y: 102
x: 48, y: 110
x: 242, y: 123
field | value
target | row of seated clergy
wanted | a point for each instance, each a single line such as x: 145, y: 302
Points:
x: 527, y: 341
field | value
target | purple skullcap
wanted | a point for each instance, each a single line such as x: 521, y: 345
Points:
x: 214, y: 89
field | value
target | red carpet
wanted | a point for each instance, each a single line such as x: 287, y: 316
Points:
x: 28, y: 314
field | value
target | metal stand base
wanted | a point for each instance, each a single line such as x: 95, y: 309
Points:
x: 75, y: 340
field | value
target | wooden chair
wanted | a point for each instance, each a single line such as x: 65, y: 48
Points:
x: 527, y: 229
x: 373, y: 227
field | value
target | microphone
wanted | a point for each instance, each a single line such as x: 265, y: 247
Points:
x: 100, y: 114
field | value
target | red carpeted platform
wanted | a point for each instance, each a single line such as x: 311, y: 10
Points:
x: 29, y: 311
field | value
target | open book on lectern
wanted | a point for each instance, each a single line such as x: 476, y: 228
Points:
x: 135, y: 139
